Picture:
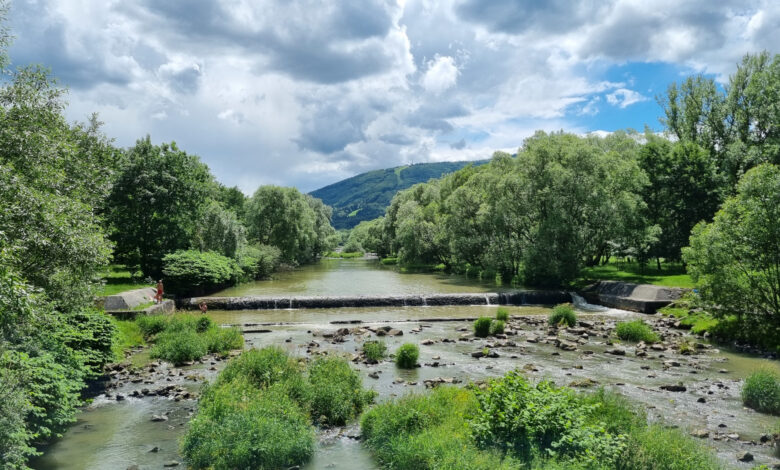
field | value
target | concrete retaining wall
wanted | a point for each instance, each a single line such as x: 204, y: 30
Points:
x: 129, y: 299
x: 643, y: 298
x: 166, y: 306
x: 269, y: 303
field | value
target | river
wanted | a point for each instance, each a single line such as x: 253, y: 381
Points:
x: 117, y: 435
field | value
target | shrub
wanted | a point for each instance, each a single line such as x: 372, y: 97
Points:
x: 374, y: 350
x: 542, y: 419
x: 258, y: 261
x: 223, y: 340
x: 336, y: 394
x: 179, y: 346
x: 261, y: 367
x: 389, y: 261
x: 636, y: 330
x: 502, y: 314
x: 496, y: 327
x: 151, y: 325
x: 563, y: 314
x: 240, y: 426
x: 761, y: 391
x: 482, y: 326
x: 406, y: 356
x: 193, y: 272
x: 657, y: 448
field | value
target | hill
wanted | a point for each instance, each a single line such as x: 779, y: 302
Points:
x: 367, y: 195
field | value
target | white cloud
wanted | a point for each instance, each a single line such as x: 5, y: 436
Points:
x: 441, y: 74
x: 623, y: 97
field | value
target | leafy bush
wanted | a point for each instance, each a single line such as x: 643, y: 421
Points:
x: 258, y: 261
x: 193, y: 272
x: 179, y: 346
x: 223, y: 340
x: 496, y: 327
x: 151, y: 325
x: 563, y: 314
x: 389, y: 261
x: 406, y: 356
x: 241, y: 426
x: 337, y: 394
x: 541, y: 419
x: 761, y: 391
x: 261, y: 367
x: 374, y: 350
x: 482, y: 327
x: 636, y: 330
x: 502, y: 314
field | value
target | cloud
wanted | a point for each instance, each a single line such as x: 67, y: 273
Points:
x: 441, y: 75
x: 623, y: 97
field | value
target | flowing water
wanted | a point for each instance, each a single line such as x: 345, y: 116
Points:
x: 112, y: 434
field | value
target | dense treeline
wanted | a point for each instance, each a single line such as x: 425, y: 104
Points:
x: 565, y: 201
x: 72, y: 202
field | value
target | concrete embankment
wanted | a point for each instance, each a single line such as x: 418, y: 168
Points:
x: 643, y: 298
x: 530, y: 297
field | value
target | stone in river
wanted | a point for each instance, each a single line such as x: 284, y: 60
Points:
x: 395, y: 332
x: 745, y: 457
x: 172, y: 463
x: 700, y: 433
x: 674, y: 388
x: 157, y: 418
x: 616, y: 352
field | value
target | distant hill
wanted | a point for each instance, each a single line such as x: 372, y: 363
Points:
x: 366, y: 196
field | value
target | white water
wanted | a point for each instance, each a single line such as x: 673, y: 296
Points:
x: 580, y: 303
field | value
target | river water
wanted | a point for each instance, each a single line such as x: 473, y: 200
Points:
x: 111, y: 434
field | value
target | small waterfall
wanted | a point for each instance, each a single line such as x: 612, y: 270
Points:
x: 404, y: 301
x: 487, y: 299
x: 425, y: 304
x: 291, y: 302
x: 522, y: 299
x: 276, y: 304
x: 582, y: 304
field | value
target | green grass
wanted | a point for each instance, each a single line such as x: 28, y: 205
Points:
x: 374, y: 350
x: 182, y: 337
x: 562, y: 315
x: 482, y: 327
x: 334, y: 254
x: 670, y: 275
x: 761, y: 392
x: 128, y: 335
x: 354, y: 213
x: 407, y: 355
x: 636, y: 331
x: 119, y: 279
x: 502, y: 314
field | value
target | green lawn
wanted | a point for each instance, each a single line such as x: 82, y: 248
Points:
x: 672, y: 275
x: 118, y: 279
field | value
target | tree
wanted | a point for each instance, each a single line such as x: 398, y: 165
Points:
x: 219, y: 230
x: 155, y: 204
x: 735, y: 259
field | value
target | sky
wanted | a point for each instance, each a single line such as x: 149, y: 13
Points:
x: 306, y: 93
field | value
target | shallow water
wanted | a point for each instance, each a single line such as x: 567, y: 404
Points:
x: 112, y: 434
x: 332, y: 277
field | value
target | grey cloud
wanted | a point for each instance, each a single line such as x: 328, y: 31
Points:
x: 332, y: 127
x: 397, y: 139
x: 520, y: 16
x: 459, y: 145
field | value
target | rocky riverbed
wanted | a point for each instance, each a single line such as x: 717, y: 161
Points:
x: 682, y: 381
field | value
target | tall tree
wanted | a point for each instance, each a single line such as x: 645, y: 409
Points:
x: 155, y: 204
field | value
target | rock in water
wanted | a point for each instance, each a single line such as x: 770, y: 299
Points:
x: 745, y: 457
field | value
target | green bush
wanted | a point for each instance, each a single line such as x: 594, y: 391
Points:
x: 563, y: 315
x: 179, y: 346
x: 193, y: 272
x: 482, y: 326
x: 240, y: 426
x: 636, y: 330
x: 223, y: 340
x: 657, y: 448
x: 406, y: 356
x: 502, y: 314
x: 258, y: 261
x: 389, y: 261
x: 374, y: 350
x: 261, y: 367
x: 496, y: 327
x: 336, y: 394
x: 151, y: 325
x: 761, y: 391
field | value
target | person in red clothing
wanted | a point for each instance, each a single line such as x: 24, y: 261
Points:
x: 158, y: 297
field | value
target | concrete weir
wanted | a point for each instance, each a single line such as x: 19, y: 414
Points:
x: 529, y: 297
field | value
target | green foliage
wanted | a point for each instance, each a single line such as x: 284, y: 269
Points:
x: 502, y: 314
x: 496, y: 327
x: 258, y: 261
x: 261, y: 367
x: 482, y: 327
x: 156, y: 203
x: 337, y: 396
x: 151, y: 325
x: 179, y: 347
x: 194, y: 272
x: 183, y: 338
x: 240, y: 426
x: 128, y: 335
x: 370, y: 193
x: 636, y: 330
x: 528, y: 420
x: 390, y: 261
x: 564, y: 315
x: 407, y: 355
x: 369, y: 236
x: 219, y: 230
x: 374, y: 350
x: 658, y: 448
x: 297, y: 224
x: 761, y: 391
x: 734, y: 259
x: 670, y: 274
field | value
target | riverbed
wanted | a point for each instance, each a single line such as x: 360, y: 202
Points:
x: 121, y: 434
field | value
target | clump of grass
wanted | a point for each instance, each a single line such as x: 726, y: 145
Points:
x: 407, y: 355
x: 150, y: 325
x: 502, y: 314
x: 563, y: 315
x: 128, y: 335
x: 482, y: 326
x: 179, y: 347
x: 337, y: 395
x: 374, y: 350
x: 496, y: 327
x: 656, y: 447
x: 636, y: 330
x: 761, y: 391
x: 184, y: 338
x: 261, y: 367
